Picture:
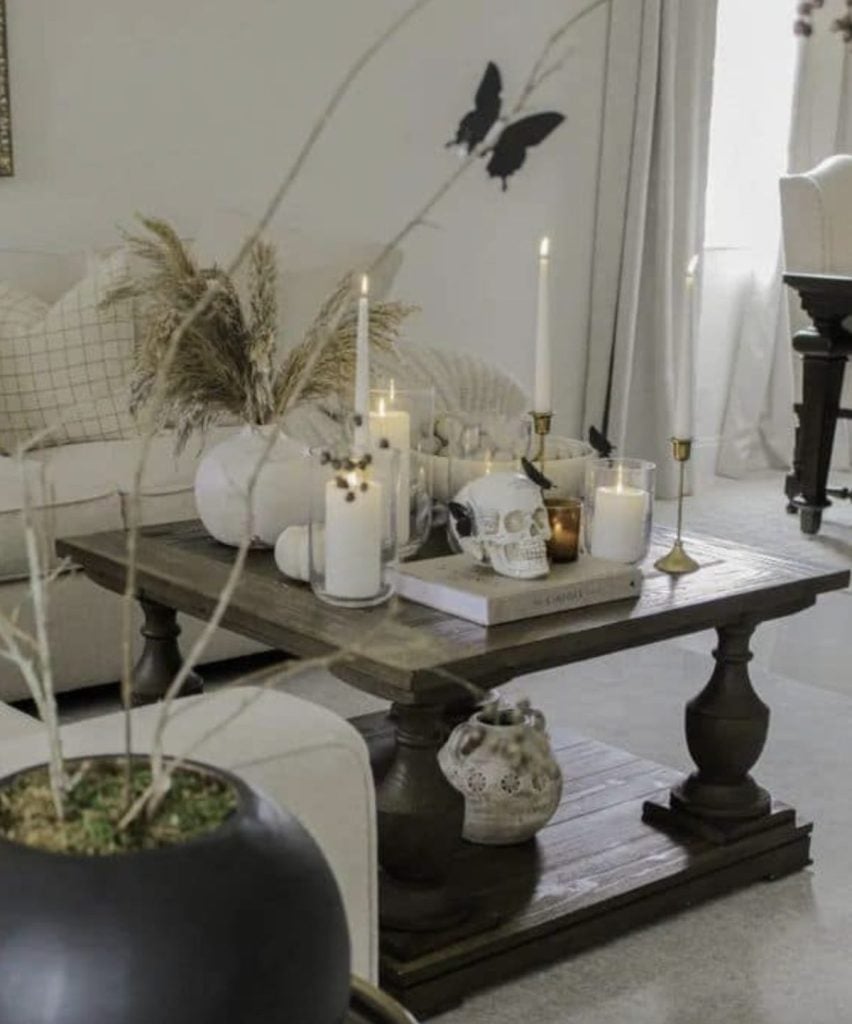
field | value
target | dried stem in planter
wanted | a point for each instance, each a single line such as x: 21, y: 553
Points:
x: 186, y: 322
x: 205, y: 300
x: 314, y: 349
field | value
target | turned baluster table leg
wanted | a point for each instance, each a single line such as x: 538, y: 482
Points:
x: 161, y: 659
x: 420, y: 819
x: 726, y: 728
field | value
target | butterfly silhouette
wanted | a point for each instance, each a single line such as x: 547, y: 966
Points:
x: 463, y: 518
x: 477, y: 123
x: 509, y: 152
x: 537, y: 477
x: 600, y: 443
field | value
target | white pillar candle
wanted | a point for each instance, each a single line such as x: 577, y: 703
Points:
x: 353, y: 537
x: 620, y: 519
x: 683, y: 392
x: 542, y: 396
x: 394, y: 425
x: 362, y: 367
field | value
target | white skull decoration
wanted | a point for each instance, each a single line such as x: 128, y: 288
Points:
x: 501, y: 519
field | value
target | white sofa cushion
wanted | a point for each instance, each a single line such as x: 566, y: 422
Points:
x: 309, y: 760
x: 64, y: 368
x: 77, y: 606
x: 84, y: 488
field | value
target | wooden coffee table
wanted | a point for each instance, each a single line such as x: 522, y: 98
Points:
x: 631, y: 841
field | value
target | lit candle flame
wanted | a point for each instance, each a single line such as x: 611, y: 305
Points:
x: 382, y: 411
x: 352, y: 479
x: 544, y: 248
x: 365, y: 285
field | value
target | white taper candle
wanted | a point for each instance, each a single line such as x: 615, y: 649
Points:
x: 542, y: 395
x: 683, y: 427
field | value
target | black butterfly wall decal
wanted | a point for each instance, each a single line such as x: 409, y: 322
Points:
x: 463, y: 518
x: 509, y: 151
x: 600, y: 443
x: 477, y: 123
x: 537, y: 477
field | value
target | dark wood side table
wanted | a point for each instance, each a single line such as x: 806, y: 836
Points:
x: 827, y: 300
x: 631, y: 840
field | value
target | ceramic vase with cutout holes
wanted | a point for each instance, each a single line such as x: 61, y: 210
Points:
x: 508, y: 775
x: 281, y: 493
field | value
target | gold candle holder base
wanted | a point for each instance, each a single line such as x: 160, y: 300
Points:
x: 677, y: 562
x: 541, y: 425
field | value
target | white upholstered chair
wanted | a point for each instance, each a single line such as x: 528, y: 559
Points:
x: 816, y: 209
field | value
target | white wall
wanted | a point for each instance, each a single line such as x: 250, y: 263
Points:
x: 187, y: 108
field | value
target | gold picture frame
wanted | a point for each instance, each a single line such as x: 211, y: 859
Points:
x: 7, y: 167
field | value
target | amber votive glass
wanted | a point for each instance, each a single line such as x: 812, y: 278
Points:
x: 564, y: 515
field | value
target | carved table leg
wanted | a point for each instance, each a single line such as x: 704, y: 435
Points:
x: 420, y: 819
x: 161, y: 659
x: 726, y: 727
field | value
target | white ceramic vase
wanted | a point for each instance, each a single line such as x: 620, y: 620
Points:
x: 281, y: 493
x: 508, y: 776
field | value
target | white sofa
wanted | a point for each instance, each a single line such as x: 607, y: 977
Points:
x: 89, y: 484
x: 308, y: 759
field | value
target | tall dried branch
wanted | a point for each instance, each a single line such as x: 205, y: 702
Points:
x: 134, y: 504
x: 310, y: 355
x: 194, y: 302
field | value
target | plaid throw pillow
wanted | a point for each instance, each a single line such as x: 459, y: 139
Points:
x: 64, y: 368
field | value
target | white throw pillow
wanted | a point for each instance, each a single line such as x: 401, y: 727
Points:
x: 64, y: 368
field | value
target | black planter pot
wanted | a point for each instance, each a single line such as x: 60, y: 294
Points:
x: 243, y: 925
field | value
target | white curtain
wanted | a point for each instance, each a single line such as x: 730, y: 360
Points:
x: 653, y: 173
x: 757, y: 431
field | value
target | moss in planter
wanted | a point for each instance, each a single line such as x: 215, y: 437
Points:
x: 196, y: 803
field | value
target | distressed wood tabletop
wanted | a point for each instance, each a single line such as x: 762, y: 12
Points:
x: 407, y: 652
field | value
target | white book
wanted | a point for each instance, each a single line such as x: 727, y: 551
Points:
x: 459, y: 586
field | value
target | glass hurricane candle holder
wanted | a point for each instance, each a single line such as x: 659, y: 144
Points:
x: 565, y: 515
x: 403, y: 421
x: 619, y: 505
x: 352, y: 530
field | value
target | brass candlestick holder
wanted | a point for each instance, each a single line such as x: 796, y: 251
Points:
x: 677, y: 562
x: 541, y: 425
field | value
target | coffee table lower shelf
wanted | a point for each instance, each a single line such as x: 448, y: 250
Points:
x: 595, y: 872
